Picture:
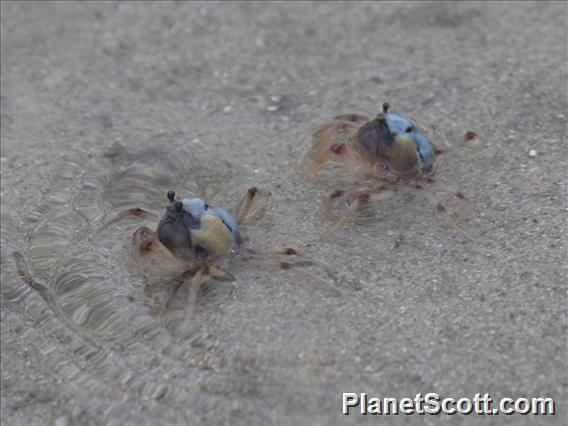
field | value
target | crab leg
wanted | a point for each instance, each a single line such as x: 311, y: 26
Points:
x: 284, y: 251
x: 136, y: 211
x: 199, y: 278
x: 459, y: 195
x: 334, y: 196
x: 434, y: 202
x: 332, y: 138
x: 297, y: 266
x: 246, y: 203
x: 204, y: 274
x: 469, y: 138
x: 367, y: 197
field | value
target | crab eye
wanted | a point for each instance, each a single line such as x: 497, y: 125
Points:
x: 409, y: 129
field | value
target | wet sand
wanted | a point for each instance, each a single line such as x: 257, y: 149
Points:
x: 106, y: 106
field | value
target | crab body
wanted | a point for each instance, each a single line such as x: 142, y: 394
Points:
x: 192, y: 235
x: 191, y: 229
x: 389, y: 150
x: 391, y: 146
x: 404, y: 128
x: 213, y: 229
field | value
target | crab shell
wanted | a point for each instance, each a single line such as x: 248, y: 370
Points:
x: 190, y: 229
x: 214, y: 231
x: 394, y: 146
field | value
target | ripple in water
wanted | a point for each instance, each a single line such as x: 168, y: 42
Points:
x: 93, y: 318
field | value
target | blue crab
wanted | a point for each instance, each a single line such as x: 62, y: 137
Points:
x: 192, y: 236
x: 389, y: 152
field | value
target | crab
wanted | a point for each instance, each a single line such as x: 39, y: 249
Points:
x: 192, y: 236
x: 390, y: 153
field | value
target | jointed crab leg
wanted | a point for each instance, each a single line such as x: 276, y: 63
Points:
x: 270, y: 257
x: 258, y: 260
x: 136, y: 211
x: 246, y: 203
x: 469, y: 138
x: 198, y: 279
x: 434, y: 202
x: 267, y: 260
x: 455, y: 193
x: 384, y: 193
x: 204, y: 274
x: 334, y: 196
x: 285, y: 251
x: 364, y: 198
x: 333, y: 139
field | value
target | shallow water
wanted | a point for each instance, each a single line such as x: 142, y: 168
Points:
x: 107, y: 107
x: 78, y: 284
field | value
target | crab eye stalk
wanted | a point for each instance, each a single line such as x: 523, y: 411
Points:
x: 171, y: 195
x: 409, y: 129
x: 178, y: 206
x: 386, y: 107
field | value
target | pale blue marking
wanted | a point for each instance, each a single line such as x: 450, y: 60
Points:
x: 398, y: 124
x: 197, y: 208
